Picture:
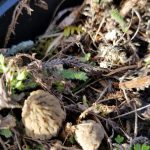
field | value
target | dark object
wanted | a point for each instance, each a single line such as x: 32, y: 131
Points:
x: 6, y: 5
x: 29, y: 27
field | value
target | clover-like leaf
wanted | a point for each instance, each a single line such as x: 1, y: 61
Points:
x: 119, y: 139
x: 6, y: 133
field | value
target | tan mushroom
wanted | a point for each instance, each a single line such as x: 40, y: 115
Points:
x: 42, y: 115
x: 89, y: 134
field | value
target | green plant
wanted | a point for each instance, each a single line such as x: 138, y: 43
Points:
x: 141, y: 147
x: 6, y: 133
x: 75, y: 75
x: 96, y: 1
x: 37, y: 147
x: 16, y: 78
x: 71, y: 139
x: 59, y: 86
x: 119, y: 19
x: 70, y: 30
x: 119, y: 139
x: 86, y: 57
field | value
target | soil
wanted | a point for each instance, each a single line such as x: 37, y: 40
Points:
x: 94, y: 59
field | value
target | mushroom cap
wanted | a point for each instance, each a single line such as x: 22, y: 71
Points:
x: 42, y: 115
x: 89, y: 134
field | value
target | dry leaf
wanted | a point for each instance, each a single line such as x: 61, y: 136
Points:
x: 7, y: 122
x: 139, y: 83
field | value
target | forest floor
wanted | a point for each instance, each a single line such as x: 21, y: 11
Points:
x: 92, y: 70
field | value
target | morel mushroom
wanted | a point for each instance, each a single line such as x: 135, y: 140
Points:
x: 42, y: 115
x: 89, y: 134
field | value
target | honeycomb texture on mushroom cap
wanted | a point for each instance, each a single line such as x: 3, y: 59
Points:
x: 42, y: 115
x: 89, y: 134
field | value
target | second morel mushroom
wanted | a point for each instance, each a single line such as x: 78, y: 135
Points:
x: 89, y: 134
x: 42, y: 115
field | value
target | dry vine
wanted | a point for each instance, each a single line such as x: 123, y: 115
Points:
x: 23, y: 4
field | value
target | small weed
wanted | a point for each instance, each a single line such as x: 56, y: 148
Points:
x: 119, y: 139
x: 119, y: 19
x: 70, y: 30
x: 72, y: 139
x: 141, y: 147
x: 16, y: 78
x: 86, y: 57
x: 59, y: 86
x: 74, y: 75
x: 6, y: 133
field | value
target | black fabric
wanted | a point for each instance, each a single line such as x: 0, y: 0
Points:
x: 29, y: 27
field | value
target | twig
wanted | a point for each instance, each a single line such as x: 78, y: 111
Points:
x: 133, y: 111
x: 120, y: 70
x: 135, y: 123
x: 17, y: 12
x: 138, y: 15
x: 16, y: 139
x: 126, y: 96
x: 116, y: 43
x: 99, y: 28
x: 103, y: 93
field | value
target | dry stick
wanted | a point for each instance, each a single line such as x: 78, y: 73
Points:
x: 126, y: 96
x: 99, y: 28
x: 135, y: 123
x: 133, y: 10
x: 77, y: 92
x: 17, y: 140
x: 138, y: 15
x: 103, y: 93
x: 18, y: 10
x: 57, y: 8
x: 53, y: 23
x: 121, y: 69
x: 136, y: 32
x: 133, y: 111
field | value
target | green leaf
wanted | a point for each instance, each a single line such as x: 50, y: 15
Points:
x: 119, y: 19
x: 72, y: 139
x: 66, y: 32
x: 137, y: 147
x: 86, y: 57
x: 59, y: 86
x: 96, y: 1
x: 70, y: 30
x: 22, y: 75
x: 6, y: 133
x: 119, y: 139
x: 2, y: 59
x: 27, y: 148
x: 39, y: 147
x: 70, y: 74
x: 19, y: 85
x: 145, y: 147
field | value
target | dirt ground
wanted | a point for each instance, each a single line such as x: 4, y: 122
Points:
x: 83, y: 84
